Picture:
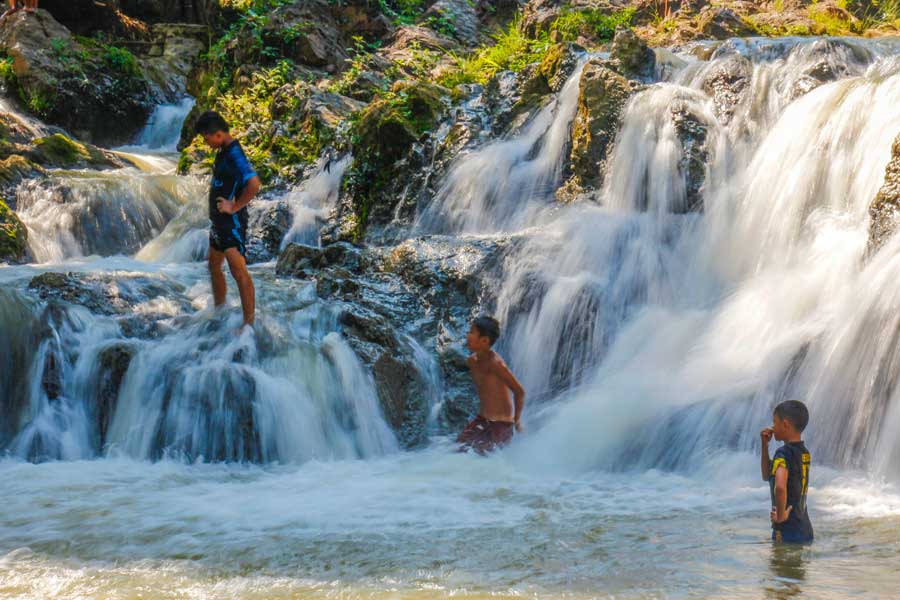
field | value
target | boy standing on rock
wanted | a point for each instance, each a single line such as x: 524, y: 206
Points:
x: 498, y: 414
x: 234, y: 184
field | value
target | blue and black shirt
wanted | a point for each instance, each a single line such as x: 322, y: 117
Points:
x: 794, y: 457
x: 231, y: 172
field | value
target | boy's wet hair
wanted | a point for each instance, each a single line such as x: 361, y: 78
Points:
x: 487, y: 326
x: 795, y: 412
x: 211, y: 122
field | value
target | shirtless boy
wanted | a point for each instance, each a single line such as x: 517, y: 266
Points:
x: 499, y: 414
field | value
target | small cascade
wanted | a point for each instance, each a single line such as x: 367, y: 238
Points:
x: 503, y: 186
x: 163, y: 129
x: 312, y: 201
x: 79, y: 213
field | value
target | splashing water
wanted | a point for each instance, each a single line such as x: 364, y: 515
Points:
x: 313, y: 200
x: 653, y: 334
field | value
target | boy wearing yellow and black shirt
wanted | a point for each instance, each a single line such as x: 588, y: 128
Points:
x: 788, y: 473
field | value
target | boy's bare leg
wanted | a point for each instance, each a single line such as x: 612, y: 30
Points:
x: 30, y: 5
x: 238, y: 267
x: 13, y: 7
x: 215, y: 261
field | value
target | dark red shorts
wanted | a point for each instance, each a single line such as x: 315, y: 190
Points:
x: 483, y: 436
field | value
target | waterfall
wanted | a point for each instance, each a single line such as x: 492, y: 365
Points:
x: 78, y: 213
x: 505, y: 184
x: 689, y: 327
x: 312, y: 201
x: 163, y: 129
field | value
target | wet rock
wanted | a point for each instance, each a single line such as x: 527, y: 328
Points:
x: 400, y: 392
x: 57, y: 150
x: 828, y: 60
x: 13, y: 235
x: 692, y: 132
x: 558, y: 64
x: 602, y: 96
x: 884, y: 211
x: 19, y: 339
x: 15, y: 169
x: 408, y: 41
x: 300, y: 260
x: 722, y: 23
x: 728, y: 82
x: 268, y: 223
x: 388, y: 157
x: 97, y: 93
x: 114, y: 362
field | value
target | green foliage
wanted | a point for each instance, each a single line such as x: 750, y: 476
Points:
x: 121, y: 60
x: 572, y: 23
x: 7, y: 74
x: 511, y: 50
x: 402, y: 12
x: 828, y: 23
x: 360, y: 55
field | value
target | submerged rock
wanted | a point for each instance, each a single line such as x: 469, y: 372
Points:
x: 884, y: 211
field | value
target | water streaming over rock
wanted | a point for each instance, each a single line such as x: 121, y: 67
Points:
x: 720, y: 269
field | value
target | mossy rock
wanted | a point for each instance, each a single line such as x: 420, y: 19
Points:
x: 16, y: 167
x: 13, y: 234
x: 558, y: 63
x: 602, y: 97
x: 57, y: 150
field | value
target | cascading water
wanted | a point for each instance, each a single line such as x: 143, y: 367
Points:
x: 164, y: 127
x: 654, y: 330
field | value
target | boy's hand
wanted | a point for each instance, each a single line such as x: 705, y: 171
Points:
x: 225, y: 206
x: 766, y: 435
x: 774, y: 515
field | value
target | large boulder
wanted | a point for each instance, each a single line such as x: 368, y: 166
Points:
x: 13, y: 235
x: 885, y: 209
x: 456, y: 18
x: 95, y: 91
x: 602, y: 97
x: 538, y: 16
x: 632, y: 57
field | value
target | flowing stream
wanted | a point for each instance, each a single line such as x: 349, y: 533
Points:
x: 653, y: 339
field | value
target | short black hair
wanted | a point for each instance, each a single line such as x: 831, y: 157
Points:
x: 487, y: 326
x: 210, y: 122
x: 795, y: 412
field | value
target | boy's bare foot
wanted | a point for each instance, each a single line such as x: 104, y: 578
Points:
x: 29, y: 10
x: 10, y: 12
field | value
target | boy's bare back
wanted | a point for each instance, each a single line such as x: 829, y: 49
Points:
x: 494, y: 383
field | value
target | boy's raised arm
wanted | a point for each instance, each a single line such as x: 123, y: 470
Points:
x: 765, y: 465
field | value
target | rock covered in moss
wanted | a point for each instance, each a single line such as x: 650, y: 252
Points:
x: 884, y: 211
x: 602, y: 96
x: 13, y: 235
x: 558, y: 64
x: 98, y: 92
x: 57, y: 150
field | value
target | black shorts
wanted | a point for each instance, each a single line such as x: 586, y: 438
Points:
x: 222, y: 237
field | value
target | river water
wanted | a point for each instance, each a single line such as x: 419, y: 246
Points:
x: 653, y: 343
